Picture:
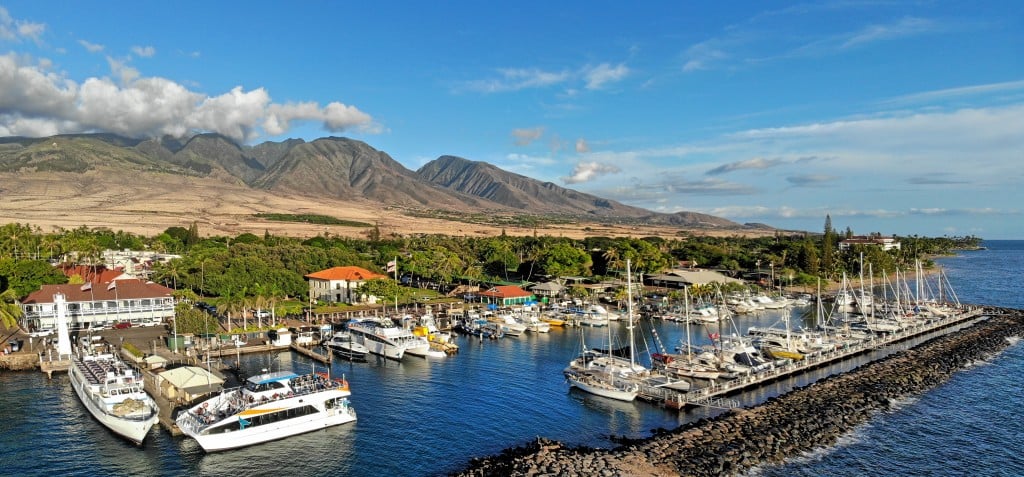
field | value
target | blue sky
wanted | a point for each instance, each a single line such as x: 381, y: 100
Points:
x: 892, y: 117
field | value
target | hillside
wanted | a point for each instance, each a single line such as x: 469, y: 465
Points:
x: 112, y: 181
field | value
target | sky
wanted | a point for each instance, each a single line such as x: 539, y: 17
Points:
x: 890, y: 117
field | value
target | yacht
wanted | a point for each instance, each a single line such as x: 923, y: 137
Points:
x: 113, y: 393
x: 342, y: 344
x: 383, y: 338
x: 267, y: 407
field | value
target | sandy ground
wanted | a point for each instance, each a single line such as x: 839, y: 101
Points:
x: 143, y: 205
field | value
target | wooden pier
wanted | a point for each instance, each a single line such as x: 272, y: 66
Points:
x: 309, y: 353
x: 715, y: 394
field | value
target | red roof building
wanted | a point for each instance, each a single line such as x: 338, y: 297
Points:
x: 339, y: 284
x: 95, y: 305
x: 507, y: 295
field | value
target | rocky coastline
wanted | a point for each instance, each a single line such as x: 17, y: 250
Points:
x: 810, y: 417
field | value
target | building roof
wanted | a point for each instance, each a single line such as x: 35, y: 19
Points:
x: 129, y: 289
x: 506, y: 291
x: 700, y: 277
x: 350, y: 273
x: 192, y: 379
x: 548, y: 287
x: 91, y: 273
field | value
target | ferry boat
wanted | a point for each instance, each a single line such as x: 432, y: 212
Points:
x: 267, y: 407
x: 113, y: 393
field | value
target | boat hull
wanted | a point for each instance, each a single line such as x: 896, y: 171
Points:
x: 599, y: 388
x: 227, y: 433
x: 132, y: 429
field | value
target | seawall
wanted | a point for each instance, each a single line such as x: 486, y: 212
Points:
x: 813, y: 416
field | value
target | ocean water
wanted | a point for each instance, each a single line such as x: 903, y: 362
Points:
x: 429, y: 417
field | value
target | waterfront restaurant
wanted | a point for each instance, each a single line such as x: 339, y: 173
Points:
x: 99, y: 305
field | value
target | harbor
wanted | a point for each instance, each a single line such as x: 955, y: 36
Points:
x: 526, y: 367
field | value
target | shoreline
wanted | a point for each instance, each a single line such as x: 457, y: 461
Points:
x: 812, y: 417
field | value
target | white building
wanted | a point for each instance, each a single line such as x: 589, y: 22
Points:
x: 99, y: 305
x: 887, y: 243
x: 339, y: 284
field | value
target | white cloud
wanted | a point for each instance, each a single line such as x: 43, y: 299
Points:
x: 15, y: 30
x: 582, y: 146
x: 38, y: 102
x: 755, y: 163
x: 604, y: 73
x: 963, y: 91
x: 515, y: 79
x: 91, y: 47
x: 526, y: 136
x: 904, y: 27
x: 144, y: 51
x: 588, y: 171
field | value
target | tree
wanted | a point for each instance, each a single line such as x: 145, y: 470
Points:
x: 381, y: 288
x: 10, y: 310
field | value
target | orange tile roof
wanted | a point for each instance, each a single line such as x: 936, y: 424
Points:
x: 506, y: 291
x: 350, y: 273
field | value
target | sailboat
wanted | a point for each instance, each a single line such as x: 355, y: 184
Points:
x: 686, y: 365
x: 603, y: 372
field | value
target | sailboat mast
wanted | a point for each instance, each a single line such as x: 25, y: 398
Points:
x: 629, y: 311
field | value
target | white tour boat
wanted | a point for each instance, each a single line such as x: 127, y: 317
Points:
x: 267, y: 407
x: 383, y: 338
x: 112, y: 392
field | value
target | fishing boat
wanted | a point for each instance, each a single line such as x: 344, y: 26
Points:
x: 112, y: 392
x: 267, y: 407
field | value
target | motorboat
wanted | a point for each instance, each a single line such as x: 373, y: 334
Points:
x: 383, y: 338
x: 267, y: 407
x: 342, y: 344
x: 113, y: 393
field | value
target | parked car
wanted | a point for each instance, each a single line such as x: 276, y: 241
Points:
x: 122, y: 325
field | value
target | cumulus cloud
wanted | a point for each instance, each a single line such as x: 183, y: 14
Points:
x: 588, y: 171
x: 91, y: 47
x: 35, y: 101
x: 598, y: 76
x: 582, y: 146
x: 15, y: 30
x: 526, y: 136
x: 144, y: 51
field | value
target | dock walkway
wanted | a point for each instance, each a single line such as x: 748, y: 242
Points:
x: 715, y: 394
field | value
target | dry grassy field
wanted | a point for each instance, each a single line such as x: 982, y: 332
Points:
x: 148, y: 204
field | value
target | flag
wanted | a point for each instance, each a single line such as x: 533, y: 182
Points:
x: 87, y: 286
x: 392, y: 266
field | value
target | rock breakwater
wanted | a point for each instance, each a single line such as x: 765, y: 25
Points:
x: 810, y: 417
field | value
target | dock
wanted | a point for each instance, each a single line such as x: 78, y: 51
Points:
x: 309, y: 353
x: 715, y: 395
x: 51, y: 362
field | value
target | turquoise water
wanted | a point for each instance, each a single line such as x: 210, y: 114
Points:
x: 424, y: 417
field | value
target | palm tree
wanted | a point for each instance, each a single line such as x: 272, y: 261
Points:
x: 10, y: 310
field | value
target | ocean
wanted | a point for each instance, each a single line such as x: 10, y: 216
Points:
x: 429, y: 417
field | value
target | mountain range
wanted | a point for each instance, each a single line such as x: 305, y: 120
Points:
x: 332, y: 168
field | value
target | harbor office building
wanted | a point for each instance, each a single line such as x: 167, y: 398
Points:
x: 99, y: 305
